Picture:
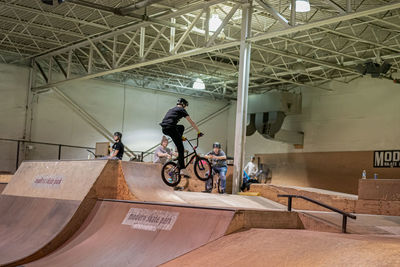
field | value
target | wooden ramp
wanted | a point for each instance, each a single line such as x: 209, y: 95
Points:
x: 2, y: 186
x: 145, y: 183
x: 268, y: 247
x: 135, y: 234
x: 342, y: 201
x: 46, y: 202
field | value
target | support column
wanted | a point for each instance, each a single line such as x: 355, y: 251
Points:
x: 243, y: 91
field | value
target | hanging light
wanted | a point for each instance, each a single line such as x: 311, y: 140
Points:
x: 199, y: 84
x: 214, y: 23
x: 301, y: 6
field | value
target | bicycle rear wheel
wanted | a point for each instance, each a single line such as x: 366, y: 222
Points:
x: 170, y: 174
x: 202, y: 168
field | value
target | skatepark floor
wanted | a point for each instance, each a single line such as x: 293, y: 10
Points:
x: 271, y: 247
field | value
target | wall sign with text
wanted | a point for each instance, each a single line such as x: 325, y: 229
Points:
x: 387, y: 159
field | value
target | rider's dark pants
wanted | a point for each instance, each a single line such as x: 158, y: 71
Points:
x: 176, y: 134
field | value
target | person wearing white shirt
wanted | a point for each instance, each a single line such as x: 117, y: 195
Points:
x: 251, y: 168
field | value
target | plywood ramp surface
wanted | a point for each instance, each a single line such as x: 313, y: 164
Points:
x: 5, y: 178
x: 55, y: 179
x: 105, y: 240
x: 2, y: 186
x: 145, y: 182
x: 364, y: 224
x: 32, y: 227
x: 265, y: 247
x: 70, y: 180
x: 345, y: 202
x: 37, y: 215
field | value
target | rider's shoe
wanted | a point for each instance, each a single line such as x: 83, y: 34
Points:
x: 222, y: 192
x: 207, y: 191
x: 185, y: 173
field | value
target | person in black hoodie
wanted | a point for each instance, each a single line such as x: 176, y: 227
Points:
x: 171, y: 128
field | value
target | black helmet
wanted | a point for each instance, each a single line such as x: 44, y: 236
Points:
x: 118, y: 134
x: 216, y: 144
x: 182, y: 101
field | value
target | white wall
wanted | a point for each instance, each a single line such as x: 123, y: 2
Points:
x: 361, y: 115
x: 139, y: 121
x: 13, y: 89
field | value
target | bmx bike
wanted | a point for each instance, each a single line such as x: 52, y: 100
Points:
x: 215, y: 183
x: 170, y: 172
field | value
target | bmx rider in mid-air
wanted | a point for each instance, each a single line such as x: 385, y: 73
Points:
x: 171, y: 128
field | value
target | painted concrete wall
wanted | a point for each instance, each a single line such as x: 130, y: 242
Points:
x: 359, y: 116
x: 13, y: 89
x: 135, y: 112
x: 363, y: 115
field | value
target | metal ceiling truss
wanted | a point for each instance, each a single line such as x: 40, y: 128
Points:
x: 163, y: 47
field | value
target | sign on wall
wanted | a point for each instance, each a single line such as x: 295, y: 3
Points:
x: 387, y: 159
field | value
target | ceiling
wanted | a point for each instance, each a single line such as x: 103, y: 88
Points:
x: 165, y: 45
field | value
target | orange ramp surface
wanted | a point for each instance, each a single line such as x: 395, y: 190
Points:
x: 107, y: 238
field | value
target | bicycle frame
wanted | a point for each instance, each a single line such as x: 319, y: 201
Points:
x: 194, y: 153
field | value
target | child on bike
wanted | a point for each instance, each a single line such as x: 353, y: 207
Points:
x: 171, y: 128
x: 218, y: 162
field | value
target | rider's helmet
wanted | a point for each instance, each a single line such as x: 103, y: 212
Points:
x: 182, y: 101
x: 216, y: 144
x: 118, y: 134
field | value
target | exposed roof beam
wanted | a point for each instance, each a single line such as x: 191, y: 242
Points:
x: 282, y: 20
x: 336, y: 6
x: 198, y: 51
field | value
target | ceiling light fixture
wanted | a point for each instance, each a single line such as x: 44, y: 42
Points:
x: 214, y: 23
x: 301, y: 6
x: 199, y: 84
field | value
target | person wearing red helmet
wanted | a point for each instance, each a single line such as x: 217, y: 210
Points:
x: 171, y: 128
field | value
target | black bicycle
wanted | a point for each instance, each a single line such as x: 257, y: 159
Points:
x: 170, y: 172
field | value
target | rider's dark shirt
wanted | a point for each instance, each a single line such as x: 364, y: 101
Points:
x: 173, y: 116
x: 120, y: 147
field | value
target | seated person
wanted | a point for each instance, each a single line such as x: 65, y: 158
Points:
x: 251, y: 168
x: 163, y: 153
x: 250, y: 174
x: 118, y: 148
x: 218, y: 164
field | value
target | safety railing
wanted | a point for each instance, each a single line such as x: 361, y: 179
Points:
x: 57, y: 151
x: 343, y: 213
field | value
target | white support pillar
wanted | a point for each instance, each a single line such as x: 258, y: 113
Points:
x: 243, y: 90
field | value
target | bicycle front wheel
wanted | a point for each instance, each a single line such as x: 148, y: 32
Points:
x: 202, y: 168
x: 170, y: 174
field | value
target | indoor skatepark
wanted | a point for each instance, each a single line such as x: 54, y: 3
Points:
x: 302, y: 96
